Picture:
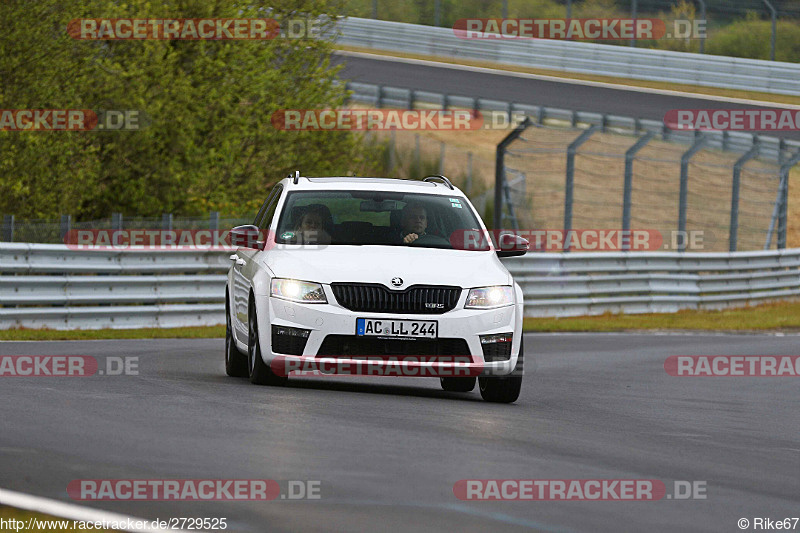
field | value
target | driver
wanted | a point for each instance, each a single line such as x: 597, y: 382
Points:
x: 413, y: 223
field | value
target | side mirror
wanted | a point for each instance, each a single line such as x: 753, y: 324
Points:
x: 246, y: 237
x: 510, y: 245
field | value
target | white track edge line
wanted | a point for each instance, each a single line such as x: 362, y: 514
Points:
x: 70, y: 511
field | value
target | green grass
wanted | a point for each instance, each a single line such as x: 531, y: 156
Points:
x: 782, y: 316
x: 84, y: 334
x: 770, y: 317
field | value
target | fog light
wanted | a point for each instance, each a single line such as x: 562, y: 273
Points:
x: 291, y: 332
x: 500, y: 337
x: 497, y: 347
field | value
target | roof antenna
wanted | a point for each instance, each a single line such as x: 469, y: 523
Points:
x: 296, y: 177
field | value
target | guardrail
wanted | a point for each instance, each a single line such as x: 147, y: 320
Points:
x: 51, y: 286
x: 568, y: 56
x: 576, y: 284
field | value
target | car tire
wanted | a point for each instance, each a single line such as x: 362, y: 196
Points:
x: 503, y: 389
x: 458, y: 384
x: 260, y: 373
x: 235, y: 361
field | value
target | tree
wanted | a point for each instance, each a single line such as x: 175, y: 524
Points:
x: 209, y: 143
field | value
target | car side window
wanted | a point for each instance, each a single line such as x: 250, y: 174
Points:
x: 269, y: 212
x: 260, y: 216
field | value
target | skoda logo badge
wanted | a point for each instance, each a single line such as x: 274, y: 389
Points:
x: 397, y: 281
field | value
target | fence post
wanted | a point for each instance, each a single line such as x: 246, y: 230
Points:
x: 784, y: 205
x: 213, y: 220
x: 703, y: 18
x: 66, y: 225
x: 737, y: 178
x: 572, y: 150
x: 774, y: 14
x: 8, y: 228
x: 685, y: 158
x: 469, y: 174
x: 499, y: 169
x: 628, y: 191
x: 379, y: 101
x: 442, y: 147
x: 116, y: 221
x: 417, y: 156
x: 634, y: 10
x: 412, y: 98
x: 166, y: 221
x: 392, y: 147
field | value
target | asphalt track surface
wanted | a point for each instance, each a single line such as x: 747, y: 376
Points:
x: 387, y: 451
x: 565, y: 95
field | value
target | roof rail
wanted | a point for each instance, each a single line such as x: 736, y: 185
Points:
x: 295, y: 177
x: 442, y: 179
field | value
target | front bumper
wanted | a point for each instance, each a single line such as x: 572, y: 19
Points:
x: 322, y: 320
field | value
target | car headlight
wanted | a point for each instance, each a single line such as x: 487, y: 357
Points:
x: 298, y: 291
x: 489, y: 297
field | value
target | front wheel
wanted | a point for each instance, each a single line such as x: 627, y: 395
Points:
x: 260, y: 373
x: 235, y: 361
x: 504, y: 389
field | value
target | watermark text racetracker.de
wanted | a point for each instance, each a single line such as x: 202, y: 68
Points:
x: 194, y: 489
x: 733, y: 365
x: 577, y: 490
x: 67, y: 366
x: 582, y: 240
x: 758, y: 119
x: 583, y: 28
x: 154, y: 239
x: 72, y: 120
x: 358, y: 119
x: 191, y: 29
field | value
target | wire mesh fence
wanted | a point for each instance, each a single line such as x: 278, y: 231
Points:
x: 54, y: 231
x: 656, y: 187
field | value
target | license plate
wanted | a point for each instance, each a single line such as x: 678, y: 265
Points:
x: 378, y: 327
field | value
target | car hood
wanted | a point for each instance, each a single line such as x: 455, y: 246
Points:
x: 379, y: 264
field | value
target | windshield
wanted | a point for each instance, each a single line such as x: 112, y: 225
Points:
x: 374, y: 218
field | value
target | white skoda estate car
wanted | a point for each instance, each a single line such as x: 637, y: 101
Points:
x: 369, y: 276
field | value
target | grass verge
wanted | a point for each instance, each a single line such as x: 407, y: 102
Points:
x: 770, y: 317
x: 205, y: 332
x: 681, y: 87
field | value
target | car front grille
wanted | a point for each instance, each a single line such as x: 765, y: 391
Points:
x: 354, y: 345
x: 377, y: 298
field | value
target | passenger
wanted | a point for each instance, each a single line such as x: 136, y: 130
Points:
x: 310, y: 228
x: 413, y: 223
